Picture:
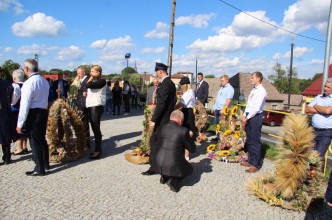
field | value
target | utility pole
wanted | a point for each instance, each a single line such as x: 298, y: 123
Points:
x: 327, y: 49
x: 171, y: 39
x: 290, y: 73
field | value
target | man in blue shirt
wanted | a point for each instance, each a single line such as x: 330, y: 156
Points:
x: 223, y: 98
x: 320, y: 108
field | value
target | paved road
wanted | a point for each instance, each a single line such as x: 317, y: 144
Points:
x: 112, y: 188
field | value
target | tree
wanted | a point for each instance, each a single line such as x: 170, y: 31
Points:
x: 209, y: 76
x: 126, y: 72
x: 7, y: 68
x: 280, y: 79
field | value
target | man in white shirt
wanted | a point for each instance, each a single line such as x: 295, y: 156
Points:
x: 253, y: 121
x: 34, y: 114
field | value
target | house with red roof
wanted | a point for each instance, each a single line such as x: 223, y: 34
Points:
x: 316, y: 87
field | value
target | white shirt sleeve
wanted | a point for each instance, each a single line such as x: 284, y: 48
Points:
x: 16, y: 94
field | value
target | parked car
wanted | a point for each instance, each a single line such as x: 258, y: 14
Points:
x: 274, y: 117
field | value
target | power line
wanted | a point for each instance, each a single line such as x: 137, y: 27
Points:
x: 276, y: 26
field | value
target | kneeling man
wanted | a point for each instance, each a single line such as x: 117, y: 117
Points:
x: 172, y: 139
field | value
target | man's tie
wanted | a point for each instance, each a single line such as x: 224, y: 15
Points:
x: 198, y: 85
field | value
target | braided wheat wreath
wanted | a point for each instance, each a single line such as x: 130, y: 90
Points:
x: 65, y: 133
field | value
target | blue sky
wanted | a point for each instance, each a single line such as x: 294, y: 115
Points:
x: 66, y: 34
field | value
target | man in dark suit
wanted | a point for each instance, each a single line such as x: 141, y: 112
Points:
x: 169, y: 160
x: 80, y: 101
x: 61, y: 87
x: 7, y: 122
x: 166, y: 100
x: 202, y: 89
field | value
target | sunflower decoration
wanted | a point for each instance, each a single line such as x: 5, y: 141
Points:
x: 225, y: 153
x: 227, y: 132
x: 211, y: 147
x: 231, y: 133
x: 234, y: 110
x: 225, y: 111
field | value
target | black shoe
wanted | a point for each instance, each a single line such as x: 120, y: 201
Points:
x: 47, y: 167
x: 6, y: 162
x: 34, y: 173
x: 163, y: 180
x: 97, y: 156
x: 173, y: 185
x: 148, y: 173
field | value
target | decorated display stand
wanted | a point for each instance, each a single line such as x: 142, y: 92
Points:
x: 297, y: 178
x: 231, y: 138
x: 141, y: 153
x: 201, y: 117
x: 65, y: 132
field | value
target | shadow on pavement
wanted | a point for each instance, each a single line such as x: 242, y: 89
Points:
x: 203, y: 166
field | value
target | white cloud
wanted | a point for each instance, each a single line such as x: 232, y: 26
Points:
x: 298, y: 52
x: 8, y: 49
x: 112, y: 49
x: 243, y: 34
x: 15, y: 5
x: 99, y: 44
x: 159, y: 32
x: 41, y: 50
x: 153, y: 50
x: 305, y: 14
x: 317, y: 61
x: 38, y: 25
x: 276, y: 56
x: 225, y: 62
x: 70, y: 53
x: 198, y: 21
x: 244, y: 25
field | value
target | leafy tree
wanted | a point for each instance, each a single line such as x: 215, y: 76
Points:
x: 209, y: 76
x: 135, y: 79
x: 280, y: 79
x: 7, y: 68
x: 126, y: 72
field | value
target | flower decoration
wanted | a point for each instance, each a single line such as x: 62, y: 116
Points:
x: 218, y: 128
x: 211, y: 147
x: 225, y: 111
x: 234, y: 110
x: 237, y: 134
x: 225, y: 153
x: 227, y: 132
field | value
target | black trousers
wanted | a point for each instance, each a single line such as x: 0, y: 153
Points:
x: 253, y: 144
x: 116, y: 105
x: 86, y: 126
x: 36, y: 125
x: 94, y: 117
x: 126, y: 100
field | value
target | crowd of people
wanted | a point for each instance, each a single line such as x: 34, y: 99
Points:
x: 24, y: 113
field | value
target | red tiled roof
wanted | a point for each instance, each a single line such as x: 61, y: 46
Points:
x: 316, y: 87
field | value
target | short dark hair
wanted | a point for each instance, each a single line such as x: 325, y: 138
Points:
x: 258, y: 75
x: 200, y: 74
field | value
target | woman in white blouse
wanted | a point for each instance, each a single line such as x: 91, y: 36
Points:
x: 95, y: 101
x: 187, y: 104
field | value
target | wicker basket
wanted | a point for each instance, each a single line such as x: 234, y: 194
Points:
x: 136, y: 159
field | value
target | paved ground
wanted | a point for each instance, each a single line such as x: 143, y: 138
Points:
x: 112, y: 188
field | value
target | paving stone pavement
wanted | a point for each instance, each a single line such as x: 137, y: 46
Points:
x: 113, y: 188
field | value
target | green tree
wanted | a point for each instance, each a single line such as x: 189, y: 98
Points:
x: 126, y: 72
x: 280, y: 79
x: 7, y: 68
x: 209, y: 76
